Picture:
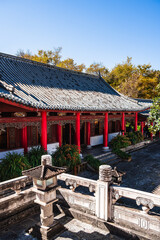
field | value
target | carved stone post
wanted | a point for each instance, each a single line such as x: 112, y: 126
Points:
x: 45, y: 186
x: 102, y: 193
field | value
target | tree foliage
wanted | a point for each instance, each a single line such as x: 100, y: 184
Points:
x: 51, y: 56
x: 98, y: 69
x: 137, y: 82
x: 154, y: 114
x: 70, y: 64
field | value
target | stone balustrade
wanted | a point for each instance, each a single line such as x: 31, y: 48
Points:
x: 75, y: 181
x: 146, y: 199
x: 15, y: 184
x: 100, y: 205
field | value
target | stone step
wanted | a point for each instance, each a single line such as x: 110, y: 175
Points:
x: 107, y: 157
x: 104, y: 154
x: 111, y: 161
x: 101, y: 155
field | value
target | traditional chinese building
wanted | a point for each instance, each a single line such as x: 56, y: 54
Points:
x: 49, y: 106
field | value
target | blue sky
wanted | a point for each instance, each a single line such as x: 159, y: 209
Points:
x: 104, y: 31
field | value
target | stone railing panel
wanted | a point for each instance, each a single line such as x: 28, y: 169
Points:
x: 76, y: 181
x: 79, y: 201
x: 15, y: 184
x: 142, y: 198
x: 136, y: 220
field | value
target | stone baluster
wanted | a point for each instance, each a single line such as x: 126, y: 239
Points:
x: 102, y: 192
x: 17, y: 185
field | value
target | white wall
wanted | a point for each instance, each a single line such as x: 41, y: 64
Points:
x: 50, y: 148
x: 3, y: 154
x: 112, y: 135
x: 97, y: 140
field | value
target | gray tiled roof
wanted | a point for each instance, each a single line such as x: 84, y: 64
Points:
x: 48, y: 87
x: 145, y: 102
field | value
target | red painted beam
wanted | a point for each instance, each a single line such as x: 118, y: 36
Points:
x: 59, y: 118
x: 44, y: 131
x: 19, y: 105
x: 88, y: 117
x: 20, y: 119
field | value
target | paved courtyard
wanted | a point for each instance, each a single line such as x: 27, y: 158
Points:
x: 143, y: 172
x: 75, y: 230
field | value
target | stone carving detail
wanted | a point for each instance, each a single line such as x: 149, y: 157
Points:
x: 72, y: 183
x: 18, y: 185
x: 19, y: 125
x: 92, y: 188
x: 92, y: 120
x: 143, y: 223
x: 115, y: 195
x: 61, y: 122
x: 145, y: 202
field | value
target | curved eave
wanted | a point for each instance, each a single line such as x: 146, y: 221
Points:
x: 26, y: 105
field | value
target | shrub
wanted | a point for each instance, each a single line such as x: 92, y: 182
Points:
x: 119, y: 142
x: 94, y: 162
x: 34, y: 156
x: 66, y: 155
x: 12, y: 166
x: 135, y: 137
x: 122, y: 154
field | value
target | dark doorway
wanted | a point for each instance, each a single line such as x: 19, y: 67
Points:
x: 82, y: 134
x: 68, y: 134
x: 3, y: 139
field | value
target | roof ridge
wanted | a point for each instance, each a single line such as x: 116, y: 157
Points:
x: 45, y: 65
x: 146, y: 99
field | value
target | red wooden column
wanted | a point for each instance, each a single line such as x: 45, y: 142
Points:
x: 105, y: 132
x: 44, y: 130
x: 151, y: 133
x: 78, y: 141
x: 88, y: 135
x: 24, y: 139
x: 123, y: 123
x: 136, y: 122
x: 59, y: 133
x: 142, y: 125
